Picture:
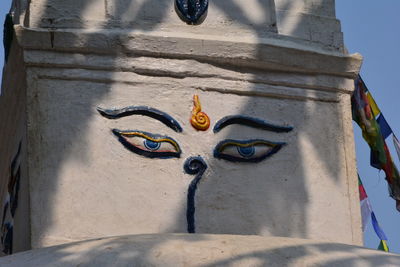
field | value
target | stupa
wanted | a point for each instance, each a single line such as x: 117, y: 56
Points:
x: 179, y: 133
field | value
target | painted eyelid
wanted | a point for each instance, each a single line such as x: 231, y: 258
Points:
x: 244, y: 143
x: 150, y: 137
x: 218, y: 150
x: 226, y: 143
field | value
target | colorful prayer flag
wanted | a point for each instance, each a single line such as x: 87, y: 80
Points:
x: 366, y: 209
x: 374, y: 160
x: 383, y: 246
x: 373, y: 105
x: 365, y: 213
x: 384, y: 126
x: 396, y: 144
x: 361, y: 190
x: 378, y: 230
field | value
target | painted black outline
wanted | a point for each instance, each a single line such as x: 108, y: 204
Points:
x: 193, y: 166
x: 251, y: 122
x: 144, y: 111
x: 193, y: 12
x: 149, y: 154
x: 219, y: 155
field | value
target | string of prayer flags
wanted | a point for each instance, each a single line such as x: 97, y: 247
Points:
x: 367, y: 214
x: 375, y: 130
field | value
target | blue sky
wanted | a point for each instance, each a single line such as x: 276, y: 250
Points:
x: 370, y: 28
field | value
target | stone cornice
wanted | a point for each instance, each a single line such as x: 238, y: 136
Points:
x: 275, y: 53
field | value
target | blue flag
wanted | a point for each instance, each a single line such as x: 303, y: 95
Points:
x: 385, y: 128
x: 378, y: 230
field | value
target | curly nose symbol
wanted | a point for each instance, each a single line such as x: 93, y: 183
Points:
x: 193, y: 166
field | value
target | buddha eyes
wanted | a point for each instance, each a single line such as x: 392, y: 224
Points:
x: 148, y: 145
x: 246, y: 150
x: 159, y: 146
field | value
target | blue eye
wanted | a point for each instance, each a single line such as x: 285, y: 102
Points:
x: 151, y: 145
x: 246, y: 150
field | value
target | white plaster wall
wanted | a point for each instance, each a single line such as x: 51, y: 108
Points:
x: 85, y: 184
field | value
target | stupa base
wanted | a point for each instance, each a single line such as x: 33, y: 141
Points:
x: 201, y: 250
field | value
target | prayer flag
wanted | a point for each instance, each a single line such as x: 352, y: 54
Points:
x: 384, y: 126
x: 361, y: 189
x: 365, y: 212
x: 373, y: 105
x: 374, y: 160
x: 378, y: 230
x: 390, y: 169
x: 396, y: 144
x: 366, y: 209
x: 383, y: 246
x: 357, y: 95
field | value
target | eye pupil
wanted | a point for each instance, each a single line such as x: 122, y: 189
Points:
x: 151, y: 145
x: 246, y: 151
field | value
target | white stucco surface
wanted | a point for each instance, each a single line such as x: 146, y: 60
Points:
x: 79, y: 164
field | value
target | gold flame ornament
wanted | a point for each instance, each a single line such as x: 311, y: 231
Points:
x: 199, y: 120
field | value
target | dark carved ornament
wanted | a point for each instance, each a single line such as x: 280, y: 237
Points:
x: 192, y: 12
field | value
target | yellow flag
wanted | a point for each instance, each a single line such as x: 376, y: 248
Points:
x: 383, y: 246
x: 373, y: 105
